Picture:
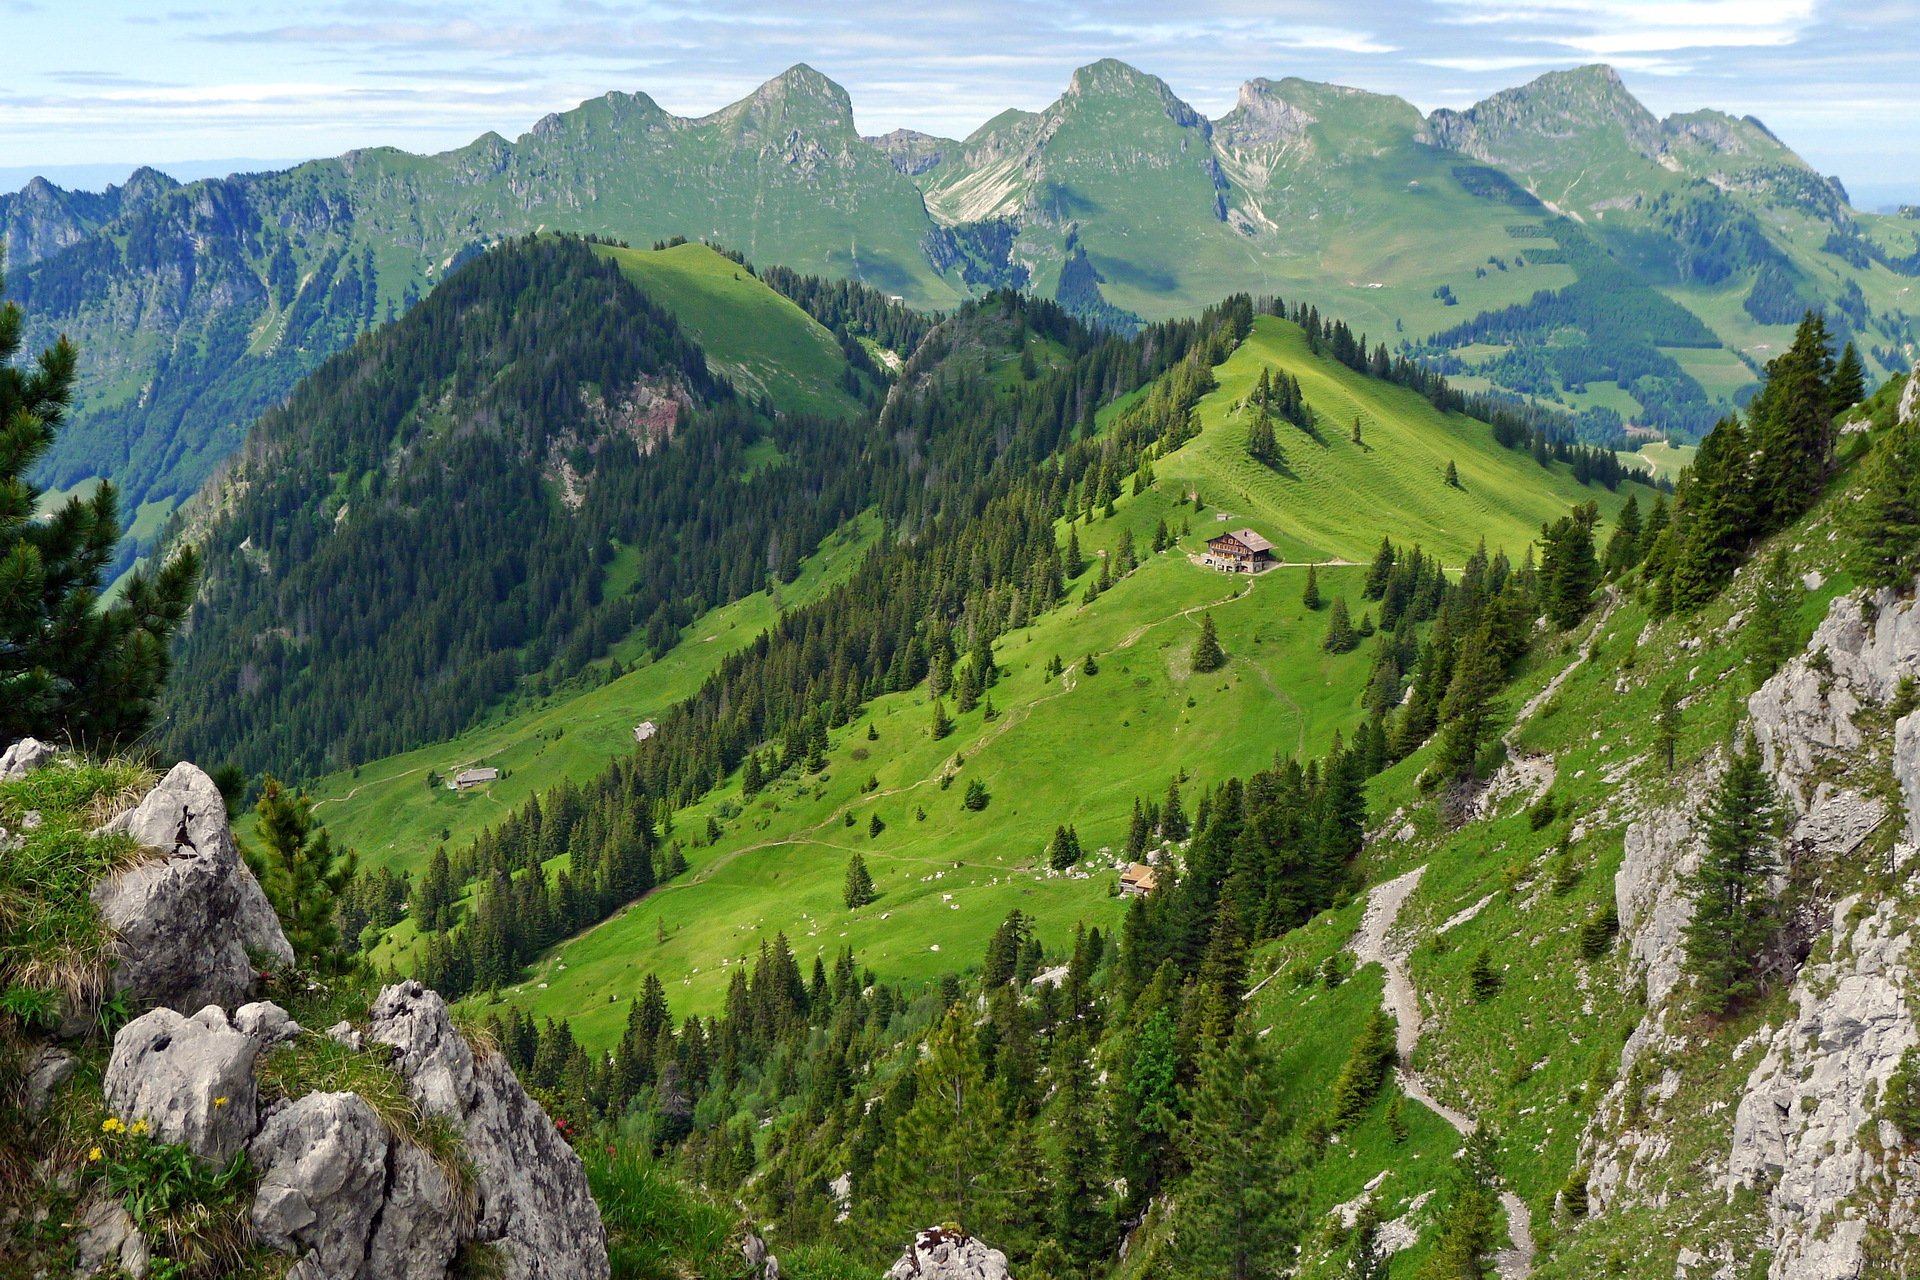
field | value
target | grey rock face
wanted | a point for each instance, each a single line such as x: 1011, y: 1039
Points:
x: 190, y: 1078
x: 1910, y: 400
x: 1662, y: 850
x: 1906, y: 769
x: 108, y: 1239
x: 189, y: 921
x: 1805, y: 711
x: 23, y: 757
x: 47, y: 1069
x: 323, y: 1165
x: 530, y: 1188
x: 424, y: 1220
x: 939, y: 1254
x: 1797, y: 1130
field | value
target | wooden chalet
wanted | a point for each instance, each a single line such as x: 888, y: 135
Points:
x: 1242, y: 551
x: 1137, y: 881
x: 473, y: 778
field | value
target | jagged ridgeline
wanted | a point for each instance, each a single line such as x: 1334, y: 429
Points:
x: 1633, y: 271
x: 536, y: 463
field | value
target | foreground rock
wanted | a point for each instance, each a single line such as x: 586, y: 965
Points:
x: 191, y: 1079
x: 190, y: 921
x: 23, y: 757
x: 946, y: 1253
x: 530, y: 1189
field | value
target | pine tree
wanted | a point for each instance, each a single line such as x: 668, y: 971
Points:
x: 1468, y: 712
x: 1366, y: 1260
x: 1718, y: 502
x: 1568, y: 570
x: 1065, y: 850
x: 859, y: 890
x: 1849, y: 385
x: 875, y: 825
x: 1260, y: 441
x: 303, y: 875
x: 1483, y: 980
x: 942, y: 726
x: 1624, y: 547
x: 1453, y: 475
x: 1207, y: 654
x: 1173, y: 815
x: 1885, y: 522
x: 1379, y: 571
x: 70, y: 669
x: 1340, y: 634
x: 1236, y: 1215
x: 1369, y: 1063
x: 1666, y: 724
x: 1734, y: 917
x: 1792, y: 427
x: 1310, y: 597
x: 1770, y: 623
x: 1082, y: 1224
x: 1356, y: 430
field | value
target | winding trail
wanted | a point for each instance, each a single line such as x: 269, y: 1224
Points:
x: 1375, y: 942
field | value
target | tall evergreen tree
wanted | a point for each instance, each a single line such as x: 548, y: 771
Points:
x: 1885, y: 522
x: 859, y: 888
x: 1340, y: 634
x: 1310, y: 596
x: 1792, y: 426
x: 1468, y: 712
x: 1568, y: 570
x: 1236, y: 1214
x: 1734, y: 916
x: 70, y: 669
x: 1849, y: 385
x: 1082, y: 1224
x: 1207, y: 653
x: 1770, y: 623
x: 1717, y: 506
x: 303, y: 875
x: 1624, y: 548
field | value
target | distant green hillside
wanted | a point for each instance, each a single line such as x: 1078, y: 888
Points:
x: 1075, y: 748
x: 757, y: 339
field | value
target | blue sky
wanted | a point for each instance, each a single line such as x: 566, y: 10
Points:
x: 112, y: 83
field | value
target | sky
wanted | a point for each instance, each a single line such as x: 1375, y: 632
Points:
x: 94, y: 86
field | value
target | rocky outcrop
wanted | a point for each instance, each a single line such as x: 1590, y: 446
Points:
x: 1906, y: 770
x: 323, y: 1172
x: 191, y: 1079
x: 191, y: 921
x: 1806, y: 712
x: 1910, y: 400
x: 108, y: 1239
x: 530, y: 1189
x: 23, y: 757
x: 1662, y: 850
x: 948, y: 1253
x: 1804, y: 1133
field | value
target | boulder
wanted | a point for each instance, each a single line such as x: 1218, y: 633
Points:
x: 948, y: 1253
x: 47, y: 1069
x: 190, y: 922
x: 530, y: 1189
x: 323, y: 1170
x: 191, y: 1079
x: 266, y: 1022
x: 108, y: 1241
x: 23, y: 757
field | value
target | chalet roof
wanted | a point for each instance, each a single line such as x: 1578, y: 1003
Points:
x: 1246, y: 538
x: 475, y: 775
x: 1138, y: 873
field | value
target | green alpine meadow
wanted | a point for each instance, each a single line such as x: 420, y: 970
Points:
x: 1305, y: 687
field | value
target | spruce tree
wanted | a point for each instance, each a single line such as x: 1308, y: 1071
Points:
x: 1340, y: 634
x: 1468, y: 712
x: 1718, y: 504
x: 1260, y: 441
x: 1770, y: 623
x: 1666, y: 724
x: 1885, y: 522
x: 1379, y: 571
x: 1453, y: 475
x: 1207, y: 654
x: 1624, y: 547
x: 303, y: 875
x: 1568, y: 570
x: 1792, y: 427
x: 1237, y: 1219
x: 1849, y: 385
x: 1082, y: 1224
x: 942, y: 726
x: 70, y: 669
x: 1310, y: 597
x: 1734, y: 917
x: 1369, y: 1062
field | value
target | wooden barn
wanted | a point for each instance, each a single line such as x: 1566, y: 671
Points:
x: 1242, y: 551
x: 1137, y: 881
x: 473, y: 777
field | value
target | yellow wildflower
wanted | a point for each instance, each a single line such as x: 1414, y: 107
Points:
x: 139, y: 1127
x: 220, y: 1101
x: 93, y: 1156
x: 111, y: 1125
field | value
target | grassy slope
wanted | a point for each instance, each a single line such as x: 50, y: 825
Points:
x: 755, y: 337
x: 1335, y: 499
x: 385, y: 810
x: 1077, y: 749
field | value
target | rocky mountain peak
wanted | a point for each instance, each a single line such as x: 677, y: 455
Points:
x: 1555, y: 108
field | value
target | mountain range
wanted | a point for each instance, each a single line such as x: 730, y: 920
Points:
x: 1466, y: 235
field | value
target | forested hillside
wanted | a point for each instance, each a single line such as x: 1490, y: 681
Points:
x: 532, y: 465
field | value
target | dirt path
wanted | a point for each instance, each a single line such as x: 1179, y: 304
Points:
x: 1375, y: 942
x: 1532, y: 772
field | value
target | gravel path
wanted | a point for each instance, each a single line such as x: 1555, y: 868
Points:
x: 1375, y: 942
